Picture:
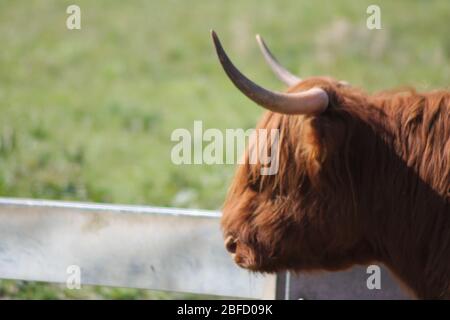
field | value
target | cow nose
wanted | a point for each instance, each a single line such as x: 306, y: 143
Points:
x: 230, y: 244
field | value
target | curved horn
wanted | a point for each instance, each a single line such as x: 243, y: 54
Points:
x: 281, y: 72
x: 314, y: 100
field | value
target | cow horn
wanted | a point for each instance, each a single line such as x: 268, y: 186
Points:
x: 281, y: 72
x: 314, y: 100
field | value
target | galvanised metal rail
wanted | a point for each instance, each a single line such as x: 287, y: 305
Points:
x: 122, y: 246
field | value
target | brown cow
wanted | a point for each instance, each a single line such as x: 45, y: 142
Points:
x: 362, y: 179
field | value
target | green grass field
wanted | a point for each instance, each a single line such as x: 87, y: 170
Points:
x: 87, y: 114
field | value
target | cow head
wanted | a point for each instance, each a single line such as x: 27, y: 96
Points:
x: 288, y: 220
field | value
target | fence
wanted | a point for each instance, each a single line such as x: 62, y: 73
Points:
x: 151, y: 248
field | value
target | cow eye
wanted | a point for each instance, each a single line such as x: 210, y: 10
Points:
x: 254, y: 185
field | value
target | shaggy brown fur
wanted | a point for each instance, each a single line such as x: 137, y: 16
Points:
x: 366, y: 181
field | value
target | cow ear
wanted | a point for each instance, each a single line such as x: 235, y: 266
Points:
x: 312, y: 151
x: 320, y: 141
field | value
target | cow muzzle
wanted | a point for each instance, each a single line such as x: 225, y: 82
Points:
x: 231, y: 244
x: 242, y: 255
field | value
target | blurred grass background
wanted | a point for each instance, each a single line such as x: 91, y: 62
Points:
x: 87, y: 114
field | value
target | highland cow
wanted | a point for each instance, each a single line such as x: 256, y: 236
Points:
x: 363, y: 178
